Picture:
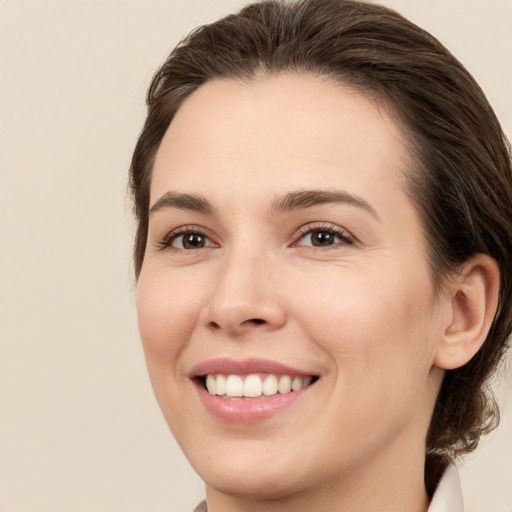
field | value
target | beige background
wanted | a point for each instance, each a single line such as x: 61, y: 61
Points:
x: 79, y: 427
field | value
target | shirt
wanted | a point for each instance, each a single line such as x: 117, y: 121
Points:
x: 448, y: 494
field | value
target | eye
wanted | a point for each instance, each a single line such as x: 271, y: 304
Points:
x: 323, y: 236
x: 191, y: 241
x: 186, y: 239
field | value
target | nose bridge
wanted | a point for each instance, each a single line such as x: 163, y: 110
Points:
x: 244, y: 295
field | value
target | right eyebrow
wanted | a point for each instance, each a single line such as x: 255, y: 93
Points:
x: 302, y: 199
x: 182, y: 201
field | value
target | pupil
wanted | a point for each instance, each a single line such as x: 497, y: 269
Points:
x: 321, y: 238
x: 193, y: 241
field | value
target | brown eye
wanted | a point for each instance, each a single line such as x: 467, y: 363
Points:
x: 193, y: 241
x: 190, y: 241
x: 322, y: 238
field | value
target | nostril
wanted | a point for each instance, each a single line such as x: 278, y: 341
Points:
x: 235, y: 324
x: 251, y: 321
x: 256, y: 321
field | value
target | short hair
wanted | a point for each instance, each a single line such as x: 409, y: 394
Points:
x: 458, y: 174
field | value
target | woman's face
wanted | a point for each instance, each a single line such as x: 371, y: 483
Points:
x: 282, y: 245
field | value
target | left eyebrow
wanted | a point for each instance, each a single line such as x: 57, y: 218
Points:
x: 183, y: 202
x: 302, y: 199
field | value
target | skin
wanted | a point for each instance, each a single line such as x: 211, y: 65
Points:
x: 363, y: 315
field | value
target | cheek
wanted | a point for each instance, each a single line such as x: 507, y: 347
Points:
x: 377, y: 337
x: 166, y: 315
x: 373, y: 329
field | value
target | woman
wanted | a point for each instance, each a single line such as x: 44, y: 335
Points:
x: 323, y: 197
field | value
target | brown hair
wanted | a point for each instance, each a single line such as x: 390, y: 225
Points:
x: 460, y: 176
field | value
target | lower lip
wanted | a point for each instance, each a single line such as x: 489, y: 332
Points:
x: 248, y: 410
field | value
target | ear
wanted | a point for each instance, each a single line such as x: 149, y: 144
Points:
x: 473, y: 299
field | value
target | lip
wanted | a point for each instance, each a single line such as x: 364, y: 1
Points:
x: 245, y: 411
x: 226, y: 366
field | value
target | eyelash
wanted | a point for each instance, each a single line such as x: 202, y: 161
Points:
x: 166, y: 242
x: 330, y: 229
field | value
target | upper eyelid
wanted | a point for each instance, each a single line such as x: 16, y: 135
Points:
x: 316, y: 225
x: 188, y: 228
x: 327, y: 226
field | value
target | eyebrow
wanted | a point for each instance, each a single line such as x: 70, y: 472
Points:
x: 297, y: 200
x: 302, y: 199
x: 182, y: 201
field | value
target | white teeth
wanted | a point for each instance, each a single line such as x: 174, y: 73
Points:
x: 270, y: 385
x: 253, y: 386
x: 234, y: 386
x: 305, y: 382
x: 296, y: 384
x: 285, y: 384
x: 211, y: 384
x: 220, y: 385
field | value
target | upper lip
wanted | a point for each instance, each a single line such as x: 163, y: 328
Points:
x: 226, y: 366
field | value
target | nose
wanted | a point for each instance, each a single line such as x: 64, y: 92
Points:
x: 244, y: 297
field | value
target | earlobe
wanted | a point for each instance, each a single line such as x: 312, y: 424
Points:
x: 473, y: 302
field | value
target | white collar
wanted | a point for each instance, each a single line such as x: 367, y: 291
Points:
x: 448, y: 494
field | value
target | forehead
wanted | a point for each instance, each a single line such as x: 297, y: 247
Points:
x: 286, y: 129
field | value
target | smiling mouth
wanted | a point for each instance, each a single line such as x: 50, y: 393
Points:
x: 238, y: 387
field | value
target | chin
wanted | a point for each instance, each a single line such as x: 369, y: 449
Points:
x: 252, y: 473
x: 254, y: 484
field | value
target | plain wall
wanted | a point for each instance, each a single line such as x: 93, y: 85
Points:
x: 79, y: 427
